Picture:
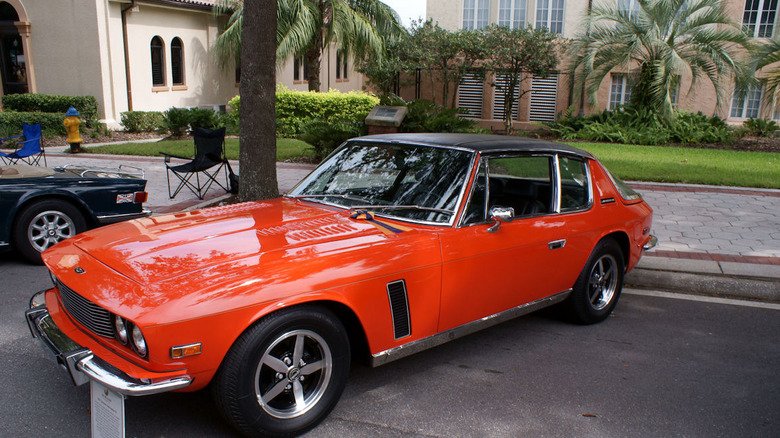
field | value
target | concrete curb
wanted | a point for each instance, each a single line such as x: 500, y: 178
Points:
x: 698, y: 277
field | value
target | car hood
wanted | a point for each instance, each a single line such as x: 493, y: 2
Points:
x: 160, y: 248
x: 219, y: 258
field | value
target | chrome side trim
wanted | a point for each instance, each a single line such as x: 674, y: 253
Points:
x: 82, y: 365
x: 110, y: 219
x: 419, y: 345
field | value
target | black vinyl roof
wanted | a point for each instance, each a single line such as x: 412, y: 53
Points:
x: 479, y: 142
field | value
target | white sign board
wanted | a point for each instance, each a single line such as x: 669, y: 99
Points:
x: 108, y: 412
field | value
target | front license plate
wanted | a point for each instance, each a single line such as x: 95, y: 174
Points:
x: 108, y: 412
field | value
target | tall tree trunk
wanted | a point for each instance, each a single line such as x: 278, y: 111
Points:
x: 314, y: 53
x: 258, y: 102
x: 314, y: 62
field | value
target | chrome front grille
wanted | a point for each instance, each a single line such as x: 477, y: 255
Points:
x: 87, y: 313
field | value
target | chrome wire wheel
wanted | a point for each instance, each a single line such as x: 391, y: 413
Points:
x: 48, y: 228
x: 603, y: 282
x: 293, y: 374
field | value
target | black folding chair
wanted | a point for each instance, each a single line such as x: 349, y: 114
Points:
x: 209, y: 161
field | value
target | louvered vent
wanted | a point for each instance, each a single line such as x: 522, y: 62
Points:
x: 470, y: 95
x: 544, y: 94
x: 502, y: 81
x: 399, y: 306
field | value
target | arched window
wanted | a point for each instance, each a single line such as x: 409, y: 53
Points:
x: 177, y: 62
x: 158, y: 62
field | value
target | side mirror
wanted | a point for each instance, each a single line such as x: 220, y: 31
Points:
x: 500, y: 214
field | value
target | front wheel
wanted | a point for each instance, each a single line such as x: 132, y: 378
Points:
x: 43, y: 224
x: 285, y: 373
x: 598, y: 287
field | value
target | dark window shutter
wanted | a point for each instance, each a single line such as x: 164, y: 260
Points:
x: 177, y: 62
x: 158, y: 73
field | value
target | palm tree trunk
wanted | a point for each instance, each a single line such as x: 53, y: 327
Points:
x: 257, y: 143
x: 314, y: 63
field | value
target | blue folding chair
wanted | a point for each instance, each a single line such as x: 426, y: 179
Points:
x: 29, y: 150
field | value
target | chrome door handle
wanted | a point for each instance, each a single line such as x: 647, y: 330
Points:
x: 557, y: 244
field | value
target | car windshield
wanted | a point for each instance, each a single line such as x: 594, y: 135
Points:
x: 413, y: 182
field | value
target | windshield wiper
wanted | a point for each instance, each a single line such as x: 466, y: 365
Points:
x: 329, y: 195
x: 400, y: 207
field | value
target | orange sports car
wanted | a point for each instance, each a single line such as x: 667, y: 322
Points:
x: 394, y: 244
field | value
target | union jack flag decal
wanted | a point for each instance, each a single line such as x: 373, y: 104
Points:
x: 124, y: 198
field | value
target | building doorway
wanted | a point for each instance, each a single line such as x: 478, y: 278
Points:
x: 13, y: 63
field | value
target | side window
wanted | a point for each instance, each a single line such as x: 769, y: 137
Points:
x: 575, y: 187
x: 522, y: 183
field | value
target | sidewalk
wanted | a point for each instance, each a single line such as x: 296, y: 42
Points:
x: 718, y: 241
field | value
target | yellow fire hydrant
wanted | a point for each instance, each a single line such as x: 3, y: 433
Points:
x: 72, y: 123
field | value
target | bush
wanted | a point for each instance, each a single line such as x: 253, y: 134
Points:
x: 296, y: 108
x: 230, y: 118
x: 178, y: 120
x: 202, y: 118
x: 87, y: 106
x: 142, y: 121
x: 51, y: 123
x: 760, y: 127
x: 642, y: 126
x: 425, y: 116
x: 325, y: 136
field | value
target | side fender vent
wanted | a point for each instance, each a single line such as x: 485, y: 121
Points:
x: 399, y: 307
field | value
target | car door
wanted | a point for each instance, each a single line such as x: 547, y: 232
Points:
x: 487, y: 267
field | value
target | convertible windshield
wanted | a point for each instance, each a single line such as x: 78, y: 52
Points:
x: 406, y: 181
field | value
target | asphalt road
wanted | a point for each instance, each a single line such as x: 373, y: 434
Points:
x: 659, y: 366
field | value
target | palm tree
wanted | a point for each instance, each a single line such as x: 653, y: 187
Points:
x: 257, y: 143
x: 766, y: 54
x: 306, y: 27
x: 663, y: 39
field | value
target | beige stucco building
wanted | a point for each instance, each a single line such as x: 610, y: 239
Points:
x: 143, y: 55
x: 551, y: 96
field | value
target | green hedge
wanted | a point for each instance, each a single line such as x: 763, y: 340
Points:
x: 296, y: 108
x: 87, y: 106
x: 142, y: 121
x: 51, y: 123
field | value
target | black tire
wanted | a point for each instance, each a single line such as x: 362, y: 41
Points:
x: 44, y: 223
x: 262, y: 391
x: 598, y: 288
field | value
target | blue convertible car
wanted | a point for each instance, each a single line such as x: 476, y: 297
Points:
x: 40, y: 206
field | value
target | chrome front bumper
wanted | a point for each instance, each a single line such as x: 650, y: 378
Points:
x: 84, y: 366
x: 651, y: 243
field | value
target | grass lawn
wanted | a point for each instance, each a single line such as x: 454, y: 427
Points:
x: 628, y: 162
x: 286, y: 148
x: 688, y: 165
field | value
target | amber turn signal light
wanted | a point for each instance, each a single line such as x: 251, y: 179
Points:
x: 185, y: 350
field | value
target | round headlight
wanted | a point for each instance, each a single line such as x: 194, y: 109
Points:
x: 52, y: 277
x: 121, y: 329
x: 139, y: 342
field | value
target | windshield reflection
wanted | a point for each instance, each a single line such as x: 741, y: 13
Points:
x: 406, y: 181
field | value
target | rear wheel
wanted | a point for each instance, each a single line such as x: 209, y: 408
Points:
x: 44, y: 223
x: 285, y: 373
x: 599, y: 285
